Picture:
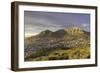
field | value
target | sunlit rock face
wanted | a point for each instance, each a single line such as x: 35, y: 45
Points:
x: 74, y: 30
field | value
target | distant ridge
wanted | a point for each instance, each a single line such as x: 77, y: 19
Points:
x: 62, y: 32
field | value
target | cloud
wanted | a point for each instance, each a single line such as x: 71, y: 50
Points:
x: 36, y: 22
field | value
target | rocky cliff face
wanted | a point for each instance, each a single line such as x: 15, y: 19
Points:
x: 74, y: 30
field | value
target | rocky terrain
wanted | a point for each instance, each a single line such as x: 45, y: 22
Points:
x: 69, y: 43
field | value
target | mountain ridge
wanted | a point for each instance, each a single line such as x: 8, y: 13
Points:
x: 71, y: 31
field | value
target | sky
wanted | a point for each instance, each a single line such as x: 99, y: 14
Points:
x: 37, y: 21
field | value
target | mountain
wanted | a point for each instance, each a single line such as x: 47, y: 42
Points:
x: 64, y: 38
x: 46, y: 33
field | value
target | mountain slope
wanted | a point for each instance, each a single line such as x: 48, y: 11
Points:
x: 50, y: 41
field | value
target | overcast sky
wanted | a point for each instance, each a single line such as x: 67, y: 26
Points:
x: 36, y: 21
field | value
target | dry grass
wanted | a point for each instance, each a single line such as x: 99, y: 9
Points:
x: 65, y: 54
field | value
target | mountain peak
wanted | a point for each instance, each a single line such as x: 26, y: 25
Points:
x: 46, y: 33
x: 74, y: 30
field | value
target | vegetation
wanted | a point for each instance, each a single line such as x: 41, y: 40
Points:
x: 59, y: 54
